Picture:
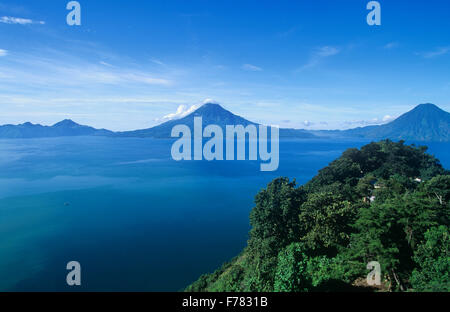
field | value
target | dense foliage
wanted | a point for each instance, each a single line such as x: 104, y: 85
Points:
x: 387, y: 202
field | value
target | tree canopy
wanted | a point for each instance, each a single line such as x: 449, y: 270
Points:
x: 386, y: 202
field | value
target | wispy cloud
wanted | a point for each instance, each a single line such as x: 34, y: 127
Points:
x: 43, y: 71
x: 19, y: 20
x: 158, y: 62
x: 105, y: 64
x: 251, y: 67
x: 371, y: 122
x: 319, y: 54
x: 142, y: 78
x: 391, y: 45
x: 3, y: 52
x: 327, y: 51
x: 438, y: 52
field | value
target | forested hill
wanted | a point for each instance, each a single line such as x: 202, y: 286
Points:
x: 387, y: 202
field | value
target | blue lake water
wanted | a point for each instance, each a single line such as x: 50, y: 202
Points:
x: 135, y: 219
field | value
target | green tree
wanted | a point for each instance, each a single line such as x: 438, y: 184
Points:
x: 433, y: 261
x: 326, y: 219
x: 291, y: 269
x: 275, y: 224
x: 298, y: 270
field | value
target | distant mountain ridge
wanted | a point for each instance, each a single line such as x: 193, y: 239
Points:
x: 426, y: 122
x: 66, y: 127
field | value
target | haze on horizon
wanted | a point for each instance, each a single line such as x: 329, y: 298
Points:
x: 309, y: 64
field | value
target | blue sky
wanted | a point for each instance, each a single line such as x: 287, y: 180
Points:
x: 301, y: 64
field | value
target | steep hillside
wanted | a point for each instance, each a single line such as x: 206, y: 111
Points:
x: 387, y: 202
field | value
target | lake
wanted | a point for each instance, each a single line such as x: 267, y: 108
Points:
x: 135, y: 219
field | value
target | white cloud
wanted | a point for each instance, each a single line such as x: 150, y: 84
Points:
x: 388, y: 118
x: 327, y: 51
x: 210, y: 101
x: 105, y: 64
x: 32, y: 70
x: 251, y: 67
x: 19, y: 20
x: 3, y: 52
x: 435, y: 53
x: 158, y: 62
x: 181, y: 112
x: 318, y: 55
x: 184, y: 110
x: 143, y: 78
x: 371, y: 122
x: 391, y: 45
